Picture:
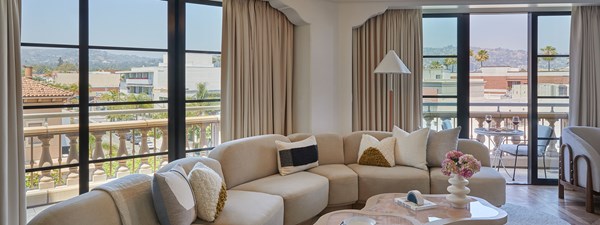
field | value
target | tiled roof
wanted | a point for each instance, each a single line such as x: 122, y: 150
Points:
x: 35, y: 89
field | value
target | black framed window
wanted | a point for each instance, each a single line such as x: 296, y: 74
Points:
x: 99, y: 96
x: 440, y: 47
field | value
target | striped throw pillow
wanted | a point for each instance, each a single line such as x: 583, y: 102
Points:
x: 297, y: 156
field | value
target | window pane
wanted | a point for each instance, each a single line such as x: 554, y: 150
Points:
x: 128, y: 76
x: 552, y: 114
x: 554, y: 35
x: 439, y: 113
x: 203, y: 76
x: 203, y: 27
x: 203, y: 125
x: 439, y: 36
x: 439, y: 76
x: 131, y: 23
x: 127, y: 130
x: 50, y: 21
x: 42, y: 72
x: 553, y: 76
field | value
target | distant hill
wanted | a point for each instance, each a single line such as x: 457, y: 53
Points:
x: 499, y: 57
x: 99, y: 59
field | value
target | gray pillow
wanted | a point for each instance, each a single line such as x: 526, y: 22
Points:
x: 173, y: 197
x: 439, y: 143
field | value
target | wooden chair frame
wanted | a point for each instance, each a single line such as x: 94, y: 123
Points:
x: 573, y: 181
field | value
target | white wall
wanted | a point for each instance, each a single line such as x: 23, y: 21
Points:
x: 316, y: 82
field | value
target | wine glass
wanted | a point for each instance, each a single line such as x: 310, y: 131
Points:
x: 488, y: 120
x: 516, y: 120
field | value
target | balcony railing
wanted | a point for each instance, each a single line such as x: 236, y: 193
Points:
x: 554, y: 115
x: 116, y: 149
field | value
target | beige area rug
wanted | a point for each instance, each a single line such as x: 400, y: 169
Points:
x: 519, y: 215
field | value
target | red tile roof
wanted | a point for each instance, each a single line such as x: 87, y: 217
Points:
x: 35, y: 89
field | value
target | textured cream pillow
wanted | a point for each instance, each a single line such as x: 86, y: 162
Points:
x: 376, y: 153
x: 439, y: 143
x: 209, y: 190
x: 297, y: 156
x: 411, y: 148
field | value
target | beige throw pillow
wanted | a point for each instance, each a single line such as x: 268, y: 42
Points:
x: 439, y: 143
x: 411, y: 148
x: 373, y: 152
x: 210, y: 191
x: 297, y: 156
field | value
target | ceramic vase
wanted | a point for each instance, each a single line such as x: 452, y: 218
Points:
x: 458, y: 191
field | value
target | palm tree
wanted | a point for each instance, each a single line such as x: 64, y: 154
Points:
x: 202, y: 91
x: 450, y: 62
x: 435, y: 65
x: 549, y: 50
x: 482, y: 56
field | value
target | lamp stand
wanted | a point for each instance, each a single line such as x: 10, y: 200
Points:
x: 391, y: 108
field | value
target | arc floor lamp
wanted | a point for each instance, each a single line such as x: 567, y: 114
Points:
x: 391, y: 64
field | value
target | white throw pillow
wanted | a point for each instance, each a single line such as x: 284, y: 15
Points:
x: 297, y: 156
x: 411, y: 148
x: 209, y: 190
x: 376, y: 153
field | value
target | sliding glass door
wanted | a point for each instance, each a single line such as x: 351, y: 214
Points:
x: 507, y: 72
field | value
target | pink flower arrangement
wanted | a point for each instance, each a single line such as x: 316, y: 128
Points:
x: 462, y: 164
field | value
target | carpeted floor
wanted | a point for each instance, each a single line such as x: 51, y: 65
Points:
x: 519, y: 215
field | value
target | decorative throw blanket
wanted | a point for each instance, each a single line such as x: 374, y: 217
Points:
x: 133, y: 197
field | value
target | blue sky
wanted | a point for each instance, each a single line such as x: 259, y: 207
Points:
x: 143, y: 23
x: 499, y: 30
x: 123, y: 23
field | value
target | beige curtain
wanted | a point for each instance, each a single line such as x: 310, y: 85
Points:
x: 585, y: 67
x: 398, y: 30
x: 256, y: 73
x: 12, y: 159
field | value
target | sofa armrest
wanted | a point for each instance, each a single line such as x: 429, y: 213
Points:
x: 93, y: 208
x: 475, y: 148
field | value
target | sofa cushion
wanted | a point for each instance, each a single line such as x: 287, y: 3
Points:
x: 373, y: 180
x: 373, y: 152
x: 249, y: 208
x: 304, y: 194
x: 331, y: 147
x: 209, y: 191
x: 343, y: 183
x: 247, y: 159
x: 487, y: 184
x: 297, y: 156
x: 173, y: 197
x: 352, y: 144
x: 411, y: 148
x: 439, y: 143
x: 189, y: 163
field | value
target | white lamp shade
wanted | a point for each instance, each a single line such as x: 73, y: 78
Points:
x: 391, y: 64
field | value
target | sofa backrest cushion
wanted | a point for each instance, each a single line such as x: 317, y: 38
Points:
x: 352, y: 143
x: 330, y: 146
x: 189, y: 163
x: 92, y: 208
x: 248, y: 159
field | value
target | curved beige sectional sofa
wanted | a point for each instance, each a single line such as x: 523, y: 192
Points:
x: 257, y: 194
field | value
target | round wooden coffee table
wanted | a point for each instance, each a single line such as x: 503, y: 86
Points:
x: 384, y: 210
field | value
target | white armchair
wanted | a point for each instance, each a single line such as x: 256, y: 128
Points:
x: 581, y: 170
